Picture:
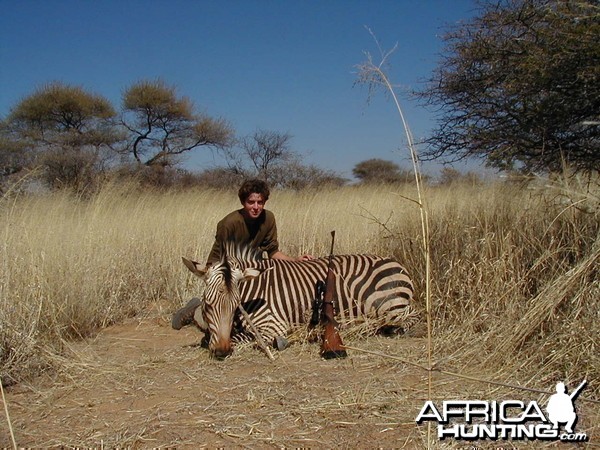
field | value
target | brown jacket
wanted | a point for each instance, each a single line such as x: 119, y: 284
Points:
x: 260, y: 234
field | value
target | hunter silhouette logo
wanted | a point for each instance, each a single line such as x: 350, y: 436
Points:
x: 510, y: 419
x: 561, y: 408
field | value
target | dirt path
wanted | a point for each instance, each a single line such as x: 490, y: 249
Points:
x: 144, y: 385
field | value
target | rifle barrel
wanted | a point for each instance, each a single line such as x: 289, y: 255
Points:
x: 332, y: 242
x: 579, y: 388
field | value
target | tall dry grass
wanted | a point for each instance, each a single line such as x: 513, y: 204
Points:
x: 514, y: 274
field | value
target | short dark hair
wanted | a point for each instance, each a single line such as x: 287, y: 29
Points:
x: 253, y: 187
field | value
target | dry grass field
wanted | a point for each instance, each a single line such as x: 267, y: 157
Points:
x: 87, y: 287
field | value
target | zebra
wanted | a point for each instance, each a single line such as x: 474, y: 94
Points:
x: 278, y: 294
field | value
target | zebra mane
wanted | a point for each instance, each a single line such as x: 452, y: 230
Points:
x: 234, y: 255
x: 232, y: 251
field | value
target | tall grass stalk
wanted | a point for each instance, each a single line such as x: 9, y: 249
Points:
x: 10, y: 427
x: 375, y: 76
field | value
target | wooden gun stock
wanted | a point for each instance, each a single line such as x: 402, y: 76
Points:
x: 332, y: 345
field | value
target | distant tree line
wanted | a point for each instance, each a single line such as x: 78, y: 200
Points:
x: 77, y: 139
x: 518, y: 86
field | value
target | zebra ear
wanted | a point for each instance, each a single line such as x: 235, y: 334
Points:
x: 195, y: 267
x: 251, y: 273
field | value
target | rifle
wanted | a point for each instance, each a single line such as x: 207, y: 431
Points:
x: 317, y: 306
x: 332, y: 345
x: 576, y: 392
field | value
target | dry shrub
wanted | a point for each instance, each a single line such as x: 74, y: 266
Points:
x: 514, y: 271
x: 514, y: 281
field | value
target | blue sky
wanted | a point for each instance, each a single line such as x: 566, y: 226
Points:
x: 286, y: 66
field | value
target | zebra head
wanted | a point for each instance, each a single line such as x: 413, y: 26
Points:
x: 221, y: 299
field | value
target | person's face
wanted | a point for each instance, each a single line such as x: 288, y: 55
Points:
x: 254, y: 205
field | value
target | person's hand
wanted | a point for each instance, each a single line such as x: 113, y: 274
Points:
x: 305, y: 258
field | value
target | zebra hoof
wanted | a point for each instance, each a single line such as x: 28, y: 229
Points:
x: 205, y: 340
x: 390, y: 331
x: 331, y: 354
x: 280, y: 343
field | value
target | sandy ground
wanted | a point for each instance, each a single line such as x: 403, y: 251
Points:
x: 143, y: 385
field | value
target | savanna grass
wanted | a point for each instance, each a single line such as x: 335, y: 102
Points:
x: 513, y: 270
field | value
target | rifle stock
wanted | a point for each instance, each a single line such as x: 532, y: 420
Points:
x: 332, y: 345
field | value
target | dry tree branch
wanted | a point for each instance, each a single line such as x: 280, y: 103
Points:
x: 259, y: 339
x: 366, y: 214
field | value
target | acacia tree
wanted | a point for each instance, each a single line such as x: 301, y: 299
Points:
x: 71, y: 132
x: 295, y: 175
x: 519, y: 85
x: 162, y: 125
x: 381, y: 171
x: 14, y: 157
x: 268, y: 155
x: 260, y: 154
x: 266, y: 149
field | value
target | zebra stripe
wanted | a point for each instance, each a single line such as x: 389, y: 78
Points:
x: 366, y: 287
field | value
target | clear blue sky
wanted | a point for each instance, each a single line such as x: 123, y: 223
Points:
x: 286, y: 66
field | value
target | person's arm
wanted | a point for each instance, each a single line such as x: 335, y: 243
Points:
x: 220, y: 236
x: 215, y: 253
x: 280, y: 255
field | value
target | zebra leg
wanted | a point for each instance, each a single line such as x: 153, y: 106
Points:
x: 402, y: 321
x: 242, y: 337
x: 280, y: 343
x: 272, y: 330
x: 205, y: 340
